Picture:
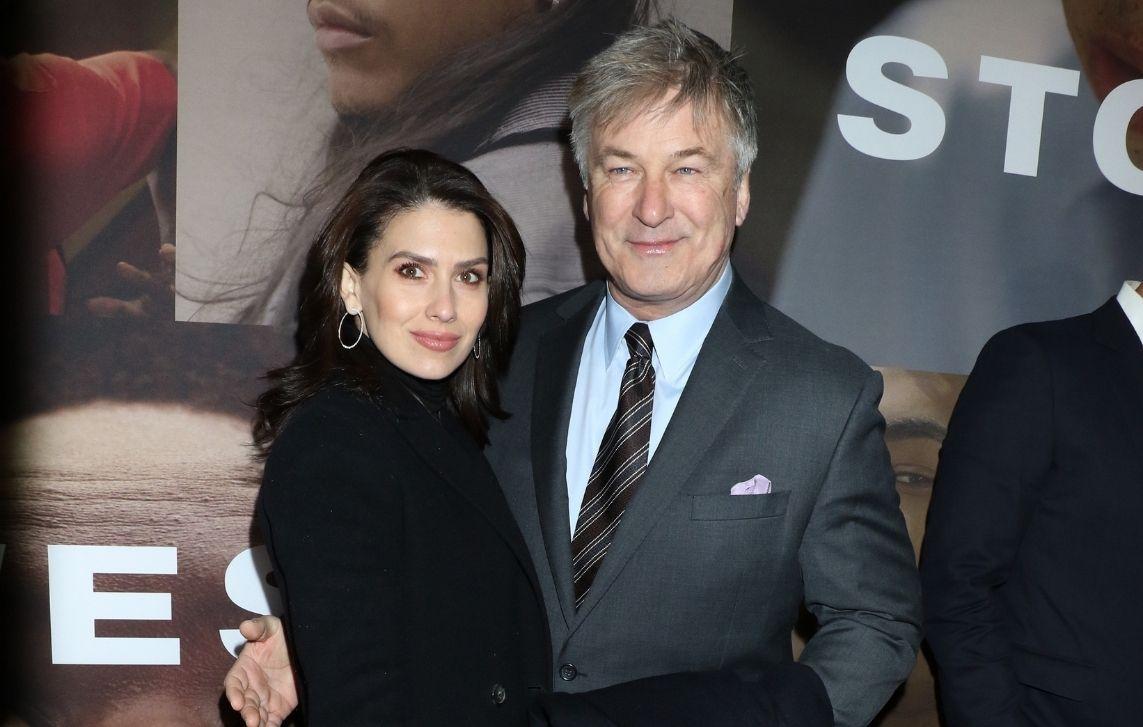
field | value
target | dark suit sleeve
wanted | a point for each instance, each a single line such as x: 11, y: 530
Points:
x: 998, y: 446
x: 860, y: 577
x: 776, y: 695
x: 332, y: 520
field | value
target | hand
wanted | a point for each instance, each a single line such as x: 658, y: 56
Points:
x: 260, y: 686
x: 156, y: 287
x: 157, y: 290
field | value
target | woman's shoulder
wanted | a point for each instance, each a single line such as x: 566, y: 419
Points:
x: 336, y: 438
x: 332, y: 415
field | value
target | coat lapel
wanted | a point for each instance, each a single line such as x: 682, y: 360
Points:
x: 430, y: 440
x: 1111, y: 328
x: 557, y: 366
x: 728, y: 362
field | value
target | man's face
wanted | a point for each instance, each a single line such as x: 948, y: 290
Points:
x: 376, y: 48
x: 1108, y: 36
x: 663, y: 203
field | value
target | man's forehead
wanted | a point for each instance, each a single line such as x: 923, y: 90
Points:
x: 699, y: 129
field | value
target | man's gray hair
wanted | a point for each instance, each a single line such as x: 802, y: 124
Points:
x: 646, y: 63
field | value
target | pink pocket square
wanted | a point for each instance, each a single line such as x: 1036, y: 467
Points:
x: 758, y: 485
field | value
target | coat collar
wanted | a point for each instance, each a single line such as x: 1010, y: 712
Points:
x: 1112, y: 329
x: 435, y: 437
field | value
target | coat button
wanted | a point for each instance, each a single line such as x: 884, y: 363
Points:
x: 568, y: 672
x: 499, y: 694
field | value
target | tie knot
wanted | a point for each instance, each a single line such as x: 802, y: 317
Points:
x: 639, y: 342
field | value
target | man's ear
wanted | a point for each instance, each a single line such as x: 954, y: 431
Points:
x: 586, y: 208
x: 350, y: 285
x: 742, y: 203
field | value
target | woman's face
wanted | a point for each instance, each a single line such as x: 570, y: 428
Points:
x: 375, y: 48
x: 424, y: 290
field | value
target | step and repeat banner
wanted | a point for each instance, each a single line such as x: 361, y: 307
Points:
x: 931, y: 171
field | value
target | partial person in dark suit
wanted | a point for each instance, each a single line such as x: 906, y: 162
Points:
x: 1031, y: 564
x: 376, y: 503
x: 687, y: 465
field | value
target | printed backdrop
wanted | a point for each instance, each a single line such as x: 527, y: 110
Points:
x: 931, y: 171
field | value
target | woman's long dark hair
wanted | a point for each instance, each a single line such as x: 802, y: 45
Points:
x: 395, y: 182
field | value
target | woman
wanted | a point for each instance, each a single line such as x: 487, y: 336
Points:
x: 379, y: 510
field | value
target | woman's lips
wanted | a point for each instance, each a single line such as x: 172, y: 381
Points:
x: 336, y: 28
x: 436, y: 341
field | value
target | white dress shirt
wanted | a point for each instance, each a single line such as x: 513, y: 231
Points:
x: 677, y: 340
x: 1132, y: 304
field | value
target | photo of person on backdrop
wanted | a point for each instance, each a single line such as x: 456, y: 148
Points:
x: 643, y: 567
x: 1031, y: 558
x: 486, y: 86
x: 947, y: 249
x: 916, y: 407
x: 88, y: 130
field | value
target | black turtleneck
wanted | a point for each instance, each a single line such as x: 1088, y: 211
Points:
x: 372, y: 366
x: 432, y: 393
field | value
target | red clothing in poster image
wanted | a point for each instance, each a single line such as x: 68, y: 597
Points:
x: 86, y: 129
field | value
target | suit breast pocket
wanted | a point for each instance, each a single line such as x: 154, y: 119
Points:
x: 738, y: 507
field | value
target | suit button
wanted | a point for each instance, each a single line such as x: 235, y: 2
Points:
x: 568, y: 672
x: 499, y: 694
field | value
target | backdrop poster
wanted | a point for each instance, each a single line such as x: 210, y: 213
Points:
x: 930, y: 171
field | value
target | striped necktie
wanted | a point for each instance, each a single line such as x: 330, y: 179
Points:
x: 619, y: 464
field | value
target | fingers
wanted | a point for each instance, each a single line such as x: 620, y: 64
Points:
x: 257, y: 629
x: 253, y: 714
x: 134, y: 275
x: 105, y: 307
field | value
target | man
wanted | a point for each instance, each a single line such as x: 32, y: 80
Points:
x: 1031, y: 566
x: 687, y: 465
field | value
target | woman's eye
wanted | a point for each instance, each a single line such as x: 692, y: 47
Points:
x: 471, y: 277
x: 411, y: 271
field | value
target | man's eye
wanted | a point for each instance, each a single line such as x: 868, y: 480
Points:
x: 905, y: 478
x: 619, y: 171
x: 411, y: 271
x: 687, y: 171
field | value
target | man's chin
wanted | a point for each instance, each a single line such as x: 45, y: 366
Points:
x: 353, y: 98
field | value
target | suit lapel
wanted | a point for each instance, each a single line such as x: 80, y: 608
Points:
x: 557, y: 366
x: 730, y: 359
x: 1111, y: 328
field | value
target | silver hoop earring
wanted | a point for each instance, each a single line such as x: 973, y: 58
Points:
x: 360, y: 329
x: 476, y: 349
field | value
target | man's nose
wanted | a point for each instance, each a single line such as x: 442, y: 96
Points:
x: 654, y: 203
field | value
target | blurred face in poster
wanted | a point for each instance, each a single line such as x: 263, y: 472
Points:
x: 1108, y: 35
x: 375, y: 48
x: 916, y: 406
x: 424, y: 291
x: 664, y: 201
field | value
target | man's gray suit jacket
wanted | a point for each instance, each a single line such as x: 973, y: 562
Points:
x: 697, y: 579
